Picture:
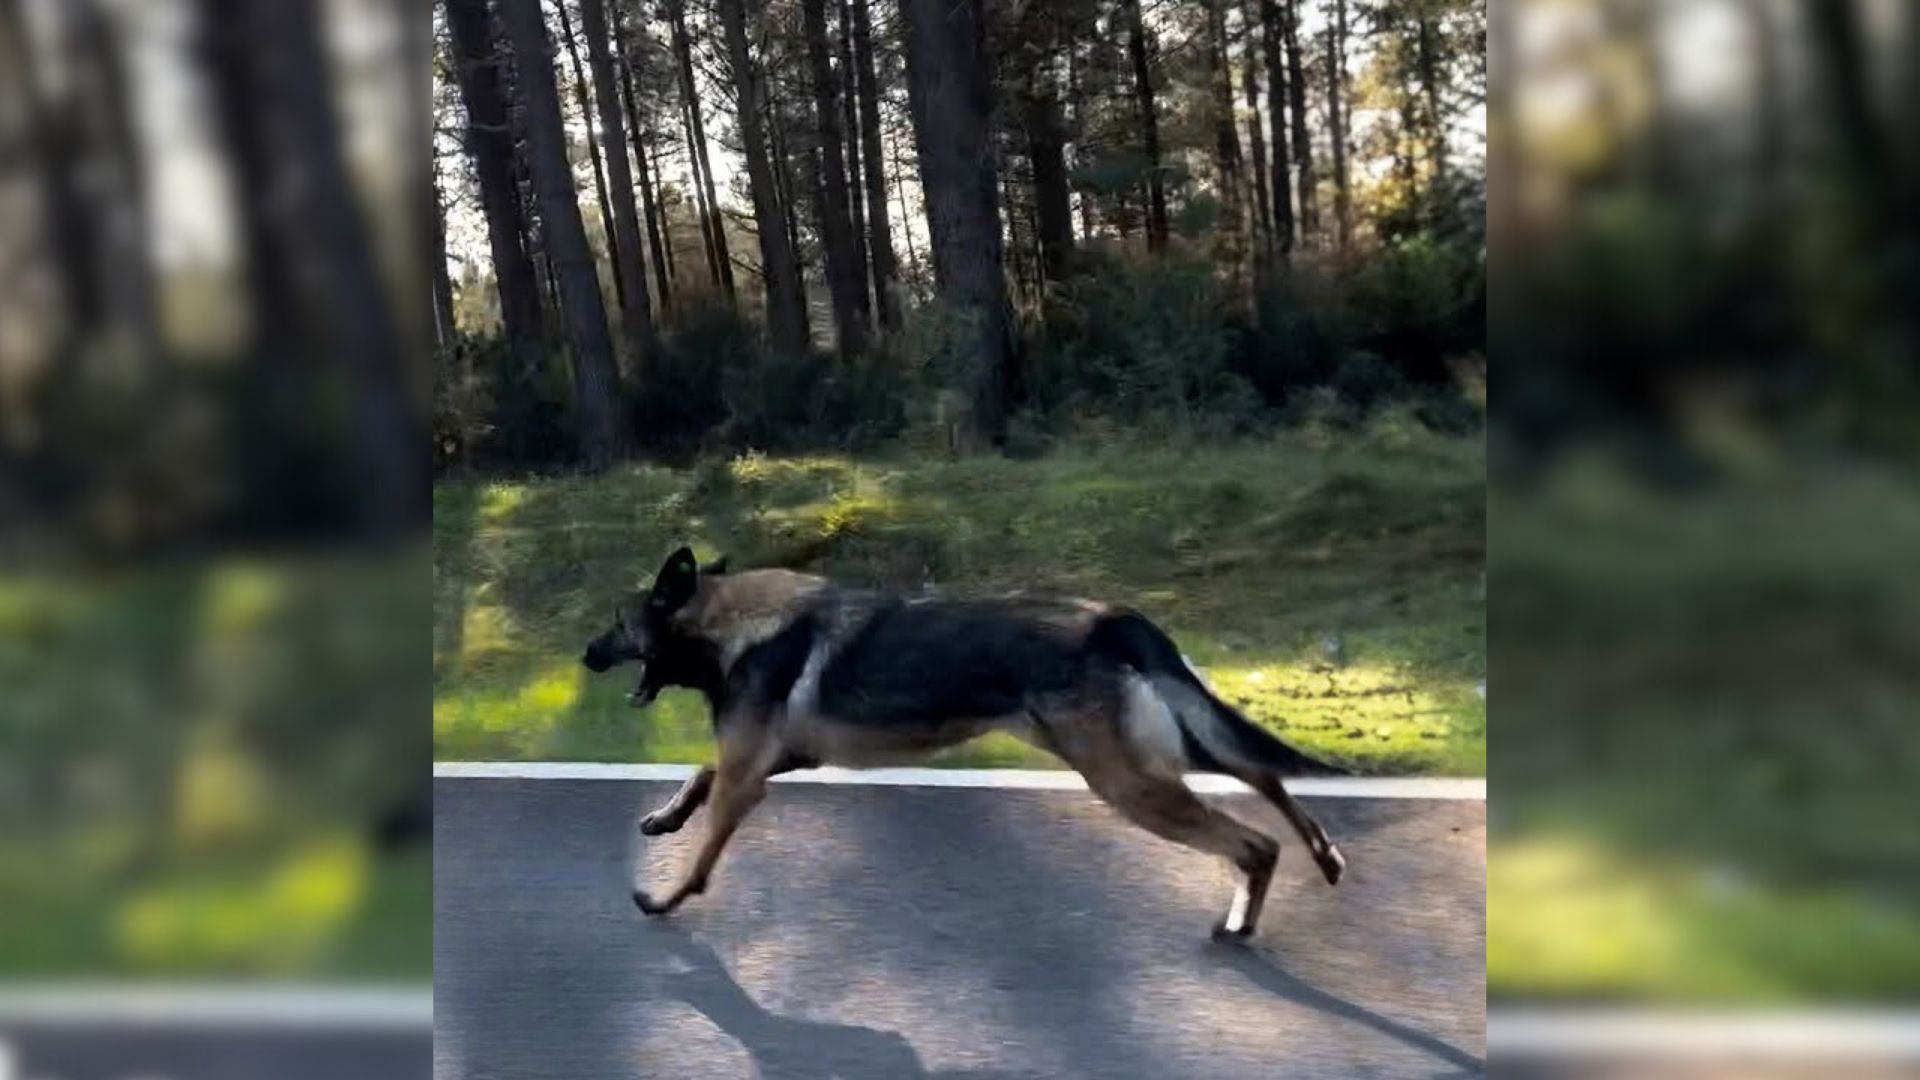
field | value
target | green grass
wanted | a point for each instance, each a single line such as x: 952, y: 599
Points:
x: 192, y: 755
x: 1250, y: 556
x: 345, y: 914
x: 1704, y: 778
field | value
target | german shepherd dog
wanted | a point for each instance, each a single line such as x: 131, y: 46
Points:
x: 801, y: 672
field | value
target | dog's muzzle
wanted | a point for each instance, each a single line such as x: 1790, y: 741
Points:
x: 596, y: 660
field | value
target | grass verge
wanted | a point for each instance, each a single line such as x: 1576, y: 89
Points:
x: 1331, y: 586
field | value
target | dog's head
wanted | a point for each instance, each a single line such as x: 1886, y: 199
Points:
x: 643, y: 630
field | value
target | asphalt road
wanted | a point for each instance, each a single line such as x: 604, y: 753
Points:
x: 889, y: 932
x: 121, y: 1051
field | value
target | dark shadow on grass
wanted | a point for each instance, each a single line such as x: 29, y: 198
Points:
x: 1261, y: 968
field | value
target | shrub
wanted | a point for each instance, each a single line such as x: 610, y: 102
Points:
x: 1415, y: 303
x: 680, y: 399
x: 1144, y: 343
x: 1296, y: 334
x: 486, y: 412
x: 1363, y: 380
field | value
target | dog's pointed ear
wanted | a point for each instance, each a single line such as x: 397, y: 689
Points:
x: 715, y: 568
x: 679, y: 577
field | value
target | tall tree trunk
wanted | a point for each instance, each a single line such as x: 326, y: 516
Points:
x: 879, y: 234
x: 602, y: 432
x: 445, y: 332
x: 850, y: 123
x: 1769, y: 116
x: 714, y: 228
x: 637, y: 311
x: 649, y: 205
x: 1079, y: 105
x: 302, y: 215
x: 1302, y: 140
x: 700, y: 215
x: 789, y: 201
x: 1053, y: 206
x: 1436, y: 125
x: 82, y: 146
x: 1883, y: 205
x: 1337, y: 98
x: 666, y: 220
x: 1229, y: 232
x: 1149, y: 129
x: 1272, y: 35
x: 786, y: 313
x: 836, y: 234
x: 1257, y: 179
x: 49, y: 149
x: 950, y: 92
x: 906, y: 219
x: 593, y: 154
x: 1016, y: 247
x: 1047, y: 151
x: 489, y: 142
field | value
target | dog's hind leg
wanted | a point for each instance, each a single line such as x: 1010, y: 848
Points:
x: 674, y: 814
x: 1332, y: 864
x: 1167, y: 808
x: 1161, y: 803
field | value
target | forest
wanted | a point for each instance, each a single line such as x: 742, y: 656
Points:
x: 675, y: 228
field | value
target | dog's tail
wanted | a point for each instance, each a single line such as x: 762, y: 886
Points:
x: 1215, y: 736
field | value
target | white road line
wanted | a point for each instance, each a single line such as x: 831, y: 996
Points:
x: 1328, y: 787
x: 1543, y: 1033
x: 218, y: 1005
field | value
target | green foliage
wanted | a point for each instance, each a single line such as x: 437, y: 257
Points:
x: 1364, y: 380
x: 487, y: 412
x: 1151, y: 347
x: 1145, y: 344
x: 1417, y: 302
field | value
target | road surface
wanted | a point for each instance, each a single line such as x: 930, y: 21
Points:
x: 122, y: 1051
x: 899, y: 932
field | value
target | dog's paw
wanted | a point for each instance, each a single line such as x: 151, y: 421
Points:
x: 1332, y: 863
x: 657, y: 824
x: 648, y: 905
x: 1231, y: 936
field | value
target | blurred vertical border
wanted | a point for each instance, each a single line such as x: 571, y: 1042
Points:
x: 214, y: 586
x: 1705, y: 601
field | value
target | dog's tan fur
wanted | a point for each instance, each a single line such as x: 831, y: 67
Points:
x: 1128, y: 727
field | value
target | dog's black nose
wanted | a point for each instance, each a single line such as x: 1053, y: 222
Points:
x: 594, y: 661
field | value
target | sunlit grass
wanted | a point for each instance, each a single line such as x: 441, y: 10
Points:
x: 1704, y: 776
x: 1250, y: 555
x: 279, y: 921
x: 192, y: 756
x: 1573, y: 917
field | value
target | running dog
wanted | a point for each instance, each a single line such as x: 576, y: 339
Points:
x: 801, y: 672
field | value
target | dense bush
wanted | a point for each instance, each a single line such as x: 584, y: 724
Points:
x: 1146, y: 344
x: 486, y: 413
x: 716, y: 384
x: 1161, y: 348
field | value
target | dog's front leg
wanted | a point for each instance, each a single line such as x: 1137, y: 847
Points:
x: 674, y: 814
x: 733, y: 799
x: 739, y: 783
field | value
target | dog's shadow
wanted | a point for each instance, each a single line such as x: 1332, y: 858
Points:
x: 1263, y: 971
x: 786, y: 1047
